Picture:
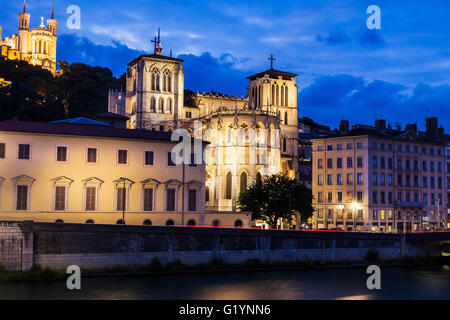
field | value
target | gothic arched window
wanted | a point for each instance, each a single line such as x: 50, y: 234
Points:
x: 169, y: 105
x: 164, y: 82
x: 161, y: 105
x: 286, y: 118
x: 158, y: 82
x: 155, y: 79
x: 243, y: 182
x: 284, y: 144
x: 228, y: 186
x: 277, y: 95
x: 282, y: 95
x: 286, y: 101
x: 167, y: 81
x: 273, y: 94
x: 153, y: 104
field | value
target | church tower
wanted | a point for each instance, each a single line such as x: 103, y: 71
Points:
x: 154, y: 91
x: 276, y: 91
x: 52, y: 24
x: 24, y: 31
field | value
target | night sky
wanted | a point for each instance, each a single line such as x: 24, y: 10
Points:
x: 400, y: 72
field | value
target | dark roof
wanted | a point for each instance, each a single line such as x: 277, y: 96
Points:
x: 82, y: 121
x: 274, y: 74
x: 83, y: 130
x: 387, y: 133
x: 155, y: 56
x: 111, y: 115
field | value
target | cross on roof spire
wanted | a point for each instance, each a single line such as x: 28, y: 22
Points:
x: 157, y: 43
x: 272, y: 59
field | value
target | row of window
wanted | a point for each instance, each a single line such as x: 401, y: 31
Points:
x: 329, y: 214
x: 340, y: 179
x: 24, y: 153
x: 380, y: 179
x: 163, y: 105
x: 339, y: 163
x: 383, y: 197
x: 91, y: 194
x: 359, y: 214
x: 339, y: 197
x: 384, y: 146
x: 407, y: 199
x: 349, y: 145
x: 382, y: 163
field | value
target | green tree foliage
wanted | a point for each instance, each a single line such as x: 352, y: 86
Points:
x: 36, y: 95
x: 269, y: 200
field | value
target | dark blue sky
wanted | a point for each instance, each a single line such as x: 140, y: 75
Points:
x: 400, y: 72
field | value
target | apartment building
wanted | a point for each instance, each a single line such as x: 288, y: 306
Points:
x: 379, y: 179
x: 95, y: 173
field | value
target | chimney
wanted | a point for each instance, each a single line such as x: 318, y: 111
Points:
x: 380, y: 125
x: 432, y: 126
x: 398, y: 126
x: 441, y: 132
x: 343, y: 126
x: 411, y: 128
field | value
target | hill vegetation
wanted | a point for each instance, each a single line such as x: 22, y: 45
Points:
x: 36, y: 95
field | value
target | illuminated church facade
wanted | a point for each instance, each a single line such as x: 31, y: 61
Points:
x: 250, y: 137
x: 36, y: 46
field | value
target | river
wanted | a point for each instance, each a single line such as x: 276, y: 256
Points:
x: 396, y: 283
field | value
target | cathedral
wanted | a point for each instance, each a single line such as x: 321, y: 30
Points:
x: 249, y: 137
x: 36, y: 46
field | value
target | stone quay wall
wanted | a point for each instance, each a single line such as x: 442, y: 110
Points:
x: 104, y: 246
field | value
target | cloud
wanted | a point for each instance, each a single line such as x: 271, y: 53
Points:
x: 334, y: 38
x: 365, y: 38
x: 205, y: 73
x: 72, y: 48
x: 371, y: 38
x: 330, y: 98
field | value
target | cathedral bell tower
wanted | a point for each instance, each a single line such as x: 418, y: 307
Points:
x: 154, y: 92
x: 276, y: 92
x: 24, y: 31
x: 52, y: 24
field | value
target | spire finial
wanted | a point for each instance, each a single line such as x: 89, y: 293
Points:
x: 272, y: 59
x: 53, y: 6
x: 24, y: 6
x: 157, y: 43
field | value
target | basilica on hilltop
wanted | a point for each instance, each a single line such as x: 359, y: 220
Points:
x: 252, y: 136
x: 36, y: 46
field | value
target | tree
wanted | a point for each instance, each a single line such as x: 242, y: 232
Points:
x: 277, y: 197
x: 78, y: 90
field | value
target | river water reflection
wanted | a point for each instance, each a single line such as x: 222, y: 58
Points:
x: 397, y: 283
